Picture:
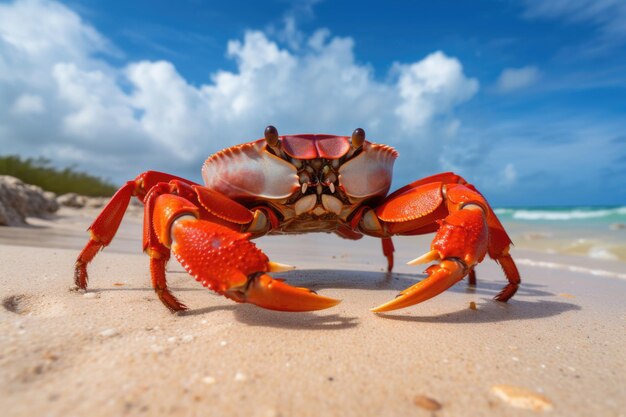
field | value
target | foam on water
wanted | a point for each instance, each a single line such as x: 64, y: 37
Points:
x: 616, y: 214
x: 593, y: 232
x: 572, y: 268
x: 596, y: 252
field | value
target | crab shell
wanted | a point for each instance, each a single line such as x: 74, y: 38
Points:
x: 250, y: 172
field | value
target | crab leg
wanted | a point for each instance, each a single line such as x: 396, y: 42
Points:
x: 225, y: 261
x: 159, y: 253
x: 388, y: 250
x: 103, y: 229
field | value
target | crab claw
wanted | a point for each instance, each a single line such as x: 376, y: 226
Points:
x: 228, y: 263
x: 460, y: 243
x: 274, y: 294
x: 440, y: 278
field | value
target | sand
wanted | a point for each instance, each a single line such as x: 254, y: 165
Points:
x: 557, y: 348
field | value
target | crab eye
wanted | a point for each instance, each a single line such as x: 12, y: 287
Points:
x: 271, y: 135
x: 358, y: 137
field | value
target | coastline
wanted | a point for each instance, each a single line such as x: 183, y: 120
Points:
x: 592, y: 232
x: 116, y: 350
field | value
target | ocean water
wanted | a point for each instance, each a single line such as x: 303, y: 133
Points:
x: 595, y: 232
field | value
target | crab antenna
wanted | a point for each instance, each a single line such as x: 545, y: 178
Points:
x: 271, y: 135
x: 358, y: 137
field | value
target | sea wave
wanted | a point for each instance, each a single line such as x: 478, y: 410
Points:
x: 556, y: 214
x: 572, y: 268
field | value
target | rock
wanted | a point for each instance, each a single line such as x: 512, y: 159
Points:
x: 109, y: 333
x: 240, y: 377
x: 208, y: 380
x: 19, y: 200
x: 72, y: 200
x: 617, y: 226
x: 426, y: 403
x: 97, y: 202
x: 520, y: 397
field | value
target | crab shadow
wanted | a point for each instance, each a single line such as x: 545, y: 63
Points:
x: 252, y: 315
x: 257, y: 317
x: 318, y: 279
x: 322, y: 279
x: 493, y: 311
x: 488, y: 312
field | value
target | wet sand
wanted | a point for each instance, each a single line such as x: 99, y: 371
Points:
x: 558, y: 347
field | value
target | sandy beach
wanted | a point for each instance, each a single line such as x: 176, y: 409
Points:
x: 558, y: 347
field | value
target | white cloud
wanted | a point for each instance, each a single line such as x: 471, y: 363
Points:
x: 118, y: 121
x: 429, y: 87
x: 28, y: 104
x: 35, y: 34
x: 512, y: 79
x: 509, y: 174
x: 609, y: 16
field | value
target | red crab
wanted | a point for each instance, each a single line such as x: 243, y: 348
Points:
x: 298, y: 184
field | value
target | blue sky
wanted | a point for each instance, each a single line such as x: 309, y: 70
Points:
x: 526, y: 99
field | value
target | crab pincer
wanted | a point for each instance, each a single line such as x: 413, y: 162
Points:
x: 460, y: 243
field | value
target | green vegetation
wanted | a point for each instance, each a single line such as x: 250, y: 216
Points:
x: 40, y: 172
